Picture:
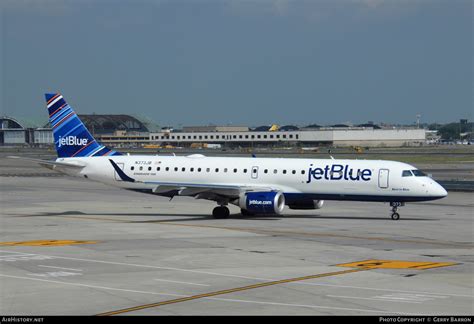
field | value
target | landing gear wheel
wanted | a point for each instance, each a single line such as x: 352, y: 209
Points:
x: 245, y: 212
x: 220, y: 212
x: 395, y: 205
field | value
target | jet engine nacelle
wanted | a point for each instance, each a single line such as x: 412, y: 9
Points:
x: 269, y: 202
x: 306, y: 204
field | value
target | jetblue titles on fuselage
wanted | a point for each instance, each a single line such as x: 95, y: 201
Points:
x: 338, y: 172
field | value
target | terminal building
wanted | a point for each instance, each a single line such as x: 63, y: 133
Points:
x: 128, y: 131
x: 325, y: 136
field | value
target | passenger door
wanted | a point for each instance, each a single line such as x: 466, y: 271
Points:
x: 383, y: 178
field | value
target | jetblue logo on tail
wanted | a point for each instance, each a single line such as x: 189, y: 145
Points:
x: 339, y: 172
x: 71, y: 141
x: 71, y: 136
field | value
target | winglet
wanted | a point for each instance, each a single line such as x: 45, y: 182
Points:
x: 120, y: 172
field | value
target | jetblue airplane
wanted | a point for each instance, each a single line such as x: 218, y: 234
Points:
x: 256, y: 185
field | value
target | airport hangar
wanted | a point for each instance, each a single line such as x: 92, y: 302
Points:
x: 130, y: 131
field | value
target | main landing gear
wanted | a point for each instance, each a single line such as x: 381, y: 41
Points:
x: 395, y: 205
x: 220, y: 212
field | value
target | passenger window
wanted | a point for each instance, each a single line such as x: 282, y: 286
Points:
x: 199, y: 169
x: 132, y: 168
x: 284, y: 171
x: 245, y: 170
x: 192, y: 169
x: 225, y: 169
x: 406, y: 173
x: 158, y: 169
x: 294, y: 171
x: 167, y: 169
x: 235, y: 170
x: 265, y: 171
x: 303, y: 172
x: 183, y: 169
x: 275, y: 171
x: 141, y: 168
x: 208, y: 170
x: 149, y: 168
x: 176, y: 169
x: 217, y: 169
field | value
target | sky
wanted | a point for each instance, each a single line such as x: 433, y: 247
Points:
x: 241, y: 62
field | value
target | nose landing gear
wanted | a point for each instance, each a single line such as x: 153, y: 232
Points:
x: 395, y: 205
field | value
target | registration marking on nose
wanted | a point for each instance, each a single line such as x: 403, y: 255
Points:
x: 395, y: 264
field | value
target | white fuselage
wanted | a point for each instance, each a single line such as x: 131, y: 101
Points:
x: 328, y: 179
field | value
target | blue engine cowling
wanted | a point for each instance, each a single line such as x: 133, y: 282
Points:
x: 267, y: 202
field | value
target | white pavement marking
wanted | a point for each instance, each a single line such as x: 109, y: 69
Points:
x: 92, y: 286
x: 208, y: 298
x: 55, y: 274
x: 25, y: 257
x: 15, y: 254
x: 384, y: 289
x: 12, y: 256
x: 45, y: 266
x: 182, y: 282
x: 144, y: 266
x: 410, y: 297
x: 243, y: 277
x: 378, y: 299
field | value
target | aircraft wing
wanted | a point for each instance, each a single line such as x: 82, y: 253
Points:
x: 53, y: 165
x: 205, y: 191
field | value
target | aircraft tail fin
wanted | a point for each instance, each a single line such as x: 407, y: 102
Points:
x: 71, y: 137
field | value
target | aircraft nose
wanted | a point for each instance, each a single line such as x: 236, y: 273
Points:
x: 439, y: 191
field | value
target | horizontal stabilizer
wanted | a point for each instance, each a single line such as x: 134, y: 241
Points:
x: 51, y: 164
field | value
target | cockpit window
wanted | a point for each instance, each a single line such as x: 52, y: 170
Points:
x: 418, y: 173
x: 407, y: 173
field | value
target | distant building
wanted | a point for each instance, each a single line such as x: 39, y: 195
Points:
x: 119, y: 130
x: 197, y: 129
x: 14, y: 131
x: 129, y: 131
x: 339, y: 136
x: 114, y: 130
x: 109, y: 124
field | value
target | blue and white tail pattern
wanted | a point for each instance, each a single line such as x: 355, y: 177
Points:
x: 71, y: 137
